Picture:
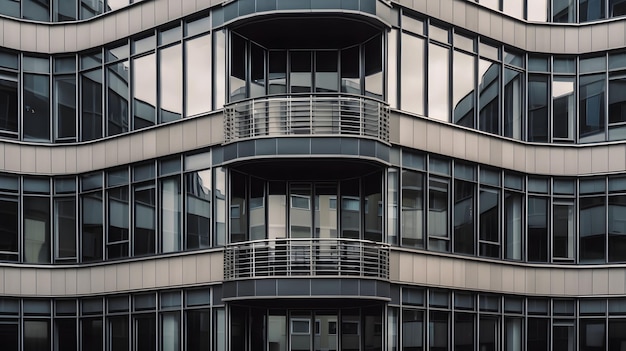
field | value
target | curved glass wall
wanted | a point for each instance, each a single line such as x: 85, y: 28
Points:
x: 426, y: 202
x: 558, y: 11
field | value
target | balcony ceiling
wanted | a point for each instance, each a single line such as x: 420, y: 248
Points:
x: 308, y: 32
x: 308, y: 169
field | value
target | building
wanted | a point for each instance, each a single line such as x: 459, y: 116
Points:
x: 313, y: 175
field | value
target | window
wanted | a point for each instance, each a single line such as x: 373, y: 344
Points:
x: 489, y: 83
x: 438, y: 214
x: 563, y: 108
x: 538, y: 108
x: 563, y: 230
x: 198, y: 209
x: 412, y: 78
x: 537, y: 229
x: 438, y: 82
x: 144, y: 74
x: 591, y: 108
x: 464, y: 207
x: 8, y: 99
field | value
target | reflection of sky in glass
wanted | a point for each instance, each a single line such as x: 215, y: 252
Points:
x: 170, y: 74
x: 537, y: 10
x: 438, y: 83
x: 144, y: 79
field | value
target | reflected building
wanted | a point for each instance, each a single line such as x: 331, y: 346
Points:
x: 313, y: 175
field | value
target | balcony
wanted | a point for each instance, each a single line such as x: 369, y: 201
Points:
x: 306, y: 257
x: 307, y: 115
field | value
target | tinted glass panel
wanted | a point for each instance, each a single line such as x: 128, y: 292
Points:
x: 591, y: 108
x: 144, y: 75
x: 464, y: 84
x: 538, y: 108
x: 198, y: 75
x: 36, y: 107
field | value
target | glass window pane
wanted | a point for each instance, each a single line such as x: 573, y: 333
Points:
x: 117, y: 109
x: 374, y: 68
x: 239, y: 212
x: 489, y: 223
x: 36, y: 335
x: 91, y: 8
x: 412, y: 329
x: 350, y: 210
x: 438, y: 214
x: 537, y: 229
x: 36, y: 230
x: 36, y: 107
x: 65, y: 107
x: 36, y: 10
x: 412, y: 74
x: 198, y: 73
x: 257, y: 70
x: 63, y: 10
x: 464, y: 333
x: 220, y: 206
x: 145, y: 216
x: 144, y: 75
x: 198, y: 188
x: 464, y: 217
x: 412, y: 209
x: 92, y: 227
x: 118, y: 229
x: 237, y: 68
x: 537, y: 10
x: 592, y: 229
x: 538, y: 334
x: 170, y: 332
x: 563, y: 108
x: 10, y: 8
x: 118, y: 333
x: 564, y: 11
x: 538, y: 108
x: 8, y: 231
x: 301, y: 72
x: 617, y: 228
x: 438, y: 331
x: 327, y: 71
x: 617, y: 100
x: 592, y: 335
x: 464, y: 85
x: 171, y: 83
x: 564, y: 187
x: 198, y: 329
x: 65, y: 334
x: 170, y: 215
x: 350, y: 72
x: 8, y: 95
x: 438, y: 82
x: 219, y: 67
x: 514, y: 8
x: 65, y: 227
x: 563, y: 231
x: 277, y: 80
x: 591, y: 108
x: 91, y: 122
x: 591, y: 10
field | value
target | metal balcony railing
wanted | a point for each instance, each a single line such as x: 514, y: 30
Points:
x: 317, y: 114
x: 306, y: 257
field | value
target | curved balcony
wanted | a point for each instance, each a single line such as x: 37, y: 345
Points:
x: 316, y: 114
x: 306, y: 257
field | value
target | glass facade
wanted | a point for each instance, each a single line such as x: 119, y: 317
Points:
x: 263, y: 185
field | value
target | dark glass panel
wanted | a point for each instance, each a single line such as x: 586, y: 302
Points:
x: 198, y: 208
x: 489, y: 233
x: 36, y: 229
x: 90, y: 8
x: 438, y: 214
x: 36, y: 115
x: 563, y: 338
x: 617, y: 228
x: 617, y: 100
x: 438, y: 331
x: 373, y: 203
x: 65, y: 107
x: 8, y: 230
x: 563, y: 231
x: 538, y: 334
x: 10, y: 8
x: 170, y: 214
x: 118, y: 333
x: 412, y: 209
x: 36, y: 335
x: 257, y: 70
x: 617, y: 337
x: 537, y: 229
x: 591, y: 108
x: 257, y: 209
x: 592, y: 229
x: 91, y: 331
x: 63, y: 10
x: 118, y: 231
x: 464, y: 83
x: 237, y: 68
x: 489, y: 333
x: 91, y: 107
x: 117, y: 108
x: 65, y: 335
x: 36, y: 10
x: 590, y: 10
x: 65, y: 227
x: 374, y: 68
x: 326, y: 71
x: 300, y: 78
x: 464, y: 217
x: 489, y: 83
x: 238, y: 208
x: 92, y: 227
x: 412, y: 330
x: 464, y: 332
x: 350, y: 71
x: 8, y: 97
x: 592, y: 336
x: 564, y: 11
x: 538, y: 108
x: 350, y: 209
x: 277, y: 80
x: 617, y: 8
x: 145, y: 217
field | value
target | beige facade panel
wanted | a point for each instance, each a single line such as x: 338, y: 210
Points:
x: 447, y: 271
x: 557, y: 160
x: 188, y: 134
x: 155, y: 273
x: 145, y: 15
